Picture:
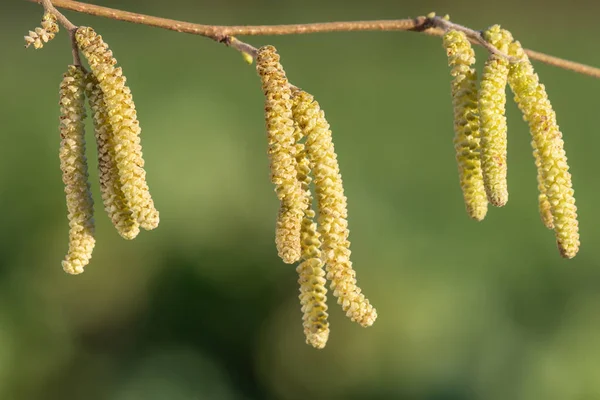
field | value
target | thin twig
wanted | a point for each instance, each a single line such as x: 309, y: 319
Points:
x: 223, y: 34
x: 475, y: 36
x: 75, y: 48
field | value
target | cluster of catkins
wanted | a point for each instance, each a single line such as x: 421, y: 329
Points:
x: 300, y: 145
x: 123, y: 184
x: 480, y: 133
x: 301, y: 152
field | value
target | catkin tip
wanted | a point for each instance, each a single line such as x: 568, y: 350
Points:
x: 313, y: 299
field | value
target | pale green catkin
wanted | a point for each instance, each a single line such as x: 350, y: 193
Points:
x: 492, y: 104
x: 466, y: 122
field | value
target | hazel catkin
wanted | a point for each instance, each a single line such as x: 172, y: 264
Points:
x: 73, y: 164
x: 466, y: 122
x: 281, y: 150
x: 332, y: 207
x: 492, y: 104
x: 42, y: 35
x: 115, y: 203
x: 311, y: 273
x: 553, y: 170
x: 123, y: 120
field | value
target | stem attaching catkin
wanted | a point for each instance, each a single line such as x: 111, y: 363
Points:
x: 73, y: 164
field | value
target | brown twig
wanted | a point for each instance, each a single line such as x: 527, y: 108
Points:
x: 223, y: 34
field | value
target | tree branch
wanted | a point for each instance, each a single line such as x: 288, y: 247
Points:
x: 224, y: 34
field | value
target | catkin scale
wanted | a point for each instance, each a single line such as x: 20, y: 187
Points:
x: 332, y: 207
x: 553, y: 170
x: 115, y: 203
x: 466, y: 122
x: 281, y: 150
x: 123, y: 119
x: 492, y: 102
x: 73, y: 164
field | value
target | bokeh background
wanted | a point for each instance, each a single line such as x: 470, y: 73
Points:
x: 202, y: 308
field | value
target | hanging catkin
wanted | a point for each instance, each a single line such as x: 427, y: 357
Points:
x: 126, y: 128
x: 73, y: 164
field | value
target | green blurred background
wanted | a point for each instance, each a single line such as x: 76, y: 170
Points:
x: 202, y: 308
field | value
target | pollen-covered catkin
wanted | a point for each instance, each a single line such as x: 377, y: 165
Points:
x: 73, y: 164
x: 125, y: 125
x: 42, y: 35
x: 313, y: 291
x: 466, y: 122
x: 114, y: 200
x: 281, y: 150
x: 332, y: 207
x: 532, y: 99
x: 492, y: 103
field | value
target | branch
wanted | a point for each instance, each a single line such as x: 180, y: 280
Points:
x: 224, y: 34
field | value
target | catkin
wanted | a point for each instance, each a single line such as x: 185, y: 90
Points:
x: 114, y: 200
x: 125, y: 125
x: 332, y: 206
x: 532, y: 99
x: 492, y: 102
x: 281, y: 150
x: 42, y: 35
x: 73, y: 164
x: 313, y: 290
x: 466, y: 122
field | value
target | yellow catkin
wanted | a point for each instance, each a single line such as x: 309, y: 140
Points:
x: 332, y: 206
x: 125, y: 125
x: 114, y: 200
x: 281, y: 150
x: 73, y: 164
x: 313, y: 291
x: 466, y: 122
x: 42, y: 35
x: 532, y: 99
x: 492, y: 104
